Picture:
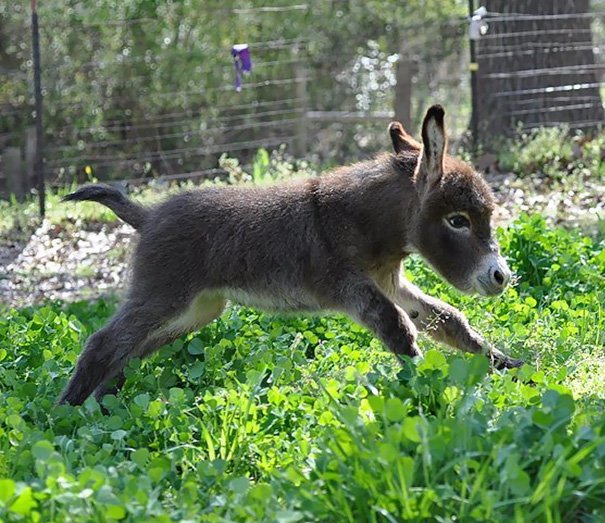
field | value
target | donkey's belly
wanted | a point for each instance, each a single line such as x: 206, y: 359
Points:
x: 280, y: 300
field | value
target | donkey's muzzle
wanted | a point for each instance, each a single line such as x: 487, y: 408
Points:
x: 499, y: 277
x: 494, y: 276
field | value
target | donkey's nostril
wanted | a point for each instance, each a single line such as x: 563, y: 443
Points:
x: 496, y: 278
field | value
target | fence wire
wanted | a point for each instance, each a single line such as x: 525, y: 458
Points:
x: 135, y: 101
x: 527, y: 61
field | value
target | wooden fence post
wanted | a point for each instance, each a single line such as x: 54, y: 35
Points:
x: 13, y: 168
x: 30, y: 159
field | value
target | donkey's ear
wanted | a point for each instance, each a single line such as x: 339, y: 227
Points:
x: 434, y: 143
x: 402, y: 141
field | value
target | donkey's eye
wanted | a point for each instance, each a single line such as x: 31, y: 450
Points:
x: 458, y: 221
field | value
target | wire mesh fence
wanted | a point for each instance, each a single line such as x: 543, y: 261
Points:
x: 541, y: 65
x: 134, y: 100
x: 148, y: 94
x: 185, y: 129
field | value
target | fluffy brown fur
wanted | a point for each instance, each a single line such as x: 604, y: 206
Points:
x: 333, y: 242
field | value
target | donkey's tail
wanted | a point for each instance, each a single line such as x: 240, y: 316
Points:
x: 132, y: 213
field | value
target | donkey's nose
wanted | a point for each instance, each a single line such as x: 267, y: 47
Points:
x: 499, y: 275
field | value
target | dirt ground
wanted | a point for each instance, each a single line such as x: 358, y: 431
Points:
x: 70, y: 262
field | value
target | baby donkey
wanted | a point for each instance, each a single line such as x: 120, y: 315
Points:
x: 334, y: 242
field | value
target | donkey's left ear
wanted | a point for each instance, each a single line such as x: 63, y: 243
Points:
x: 402, y: 141
x: 434, y: 143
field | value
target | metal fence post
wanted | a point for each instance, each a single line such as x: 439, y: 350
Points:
x: 38, y: 162
x: 473, y: 67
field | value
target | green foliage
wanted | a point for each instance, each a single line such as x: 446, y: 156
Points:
x: 542, y: 151
x: 267, y: 418
x: 260, y: 165
x: 555, y: 153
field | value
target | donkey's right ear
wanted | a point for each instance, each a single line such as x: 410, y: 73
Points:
x: 402, y: 141
x: 434, y: 143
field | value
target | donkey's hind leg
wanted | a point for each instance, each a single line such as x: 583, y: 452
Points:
x: 202, y: 310
x: 108, y: 349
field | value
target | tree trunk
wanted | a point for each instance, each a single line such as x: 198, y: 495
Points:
x: 537, y: 71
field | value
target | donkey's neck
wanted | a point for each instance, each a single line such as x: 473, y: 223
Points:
x: 370, y: 206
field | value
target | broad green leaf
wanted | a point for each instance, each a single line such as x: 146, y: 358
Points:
x: 42, y: 450
x: 410, y: 428
x: 196, y: 370
x: 394, y: 409
x: 7, y: 489
x: 142, y: 400
x: 118, y: 435
x: 459, y: 370
x: 140, y: 457
x: 158, y: 468
x: 261, y: 491
x: 195, y: 347
x: 239, y: 485
x: 115, y: 511
x: 155, y: 408
x: 24, y: 503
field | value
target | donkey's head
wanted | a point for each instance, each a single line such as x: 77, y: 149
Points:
x: 451, y: 226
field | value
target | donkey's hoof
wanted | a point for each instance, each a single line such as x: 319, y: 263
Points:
x: 504, y: 362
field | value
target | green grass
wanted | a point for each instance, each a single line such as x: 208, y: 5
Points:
x: 267, y: 418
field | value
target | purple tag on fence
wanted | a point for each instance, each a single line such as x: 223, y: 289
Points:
x: 242, y: 62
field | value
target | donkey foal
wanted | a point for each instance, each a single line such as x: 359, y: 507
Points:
x: 333, y: 242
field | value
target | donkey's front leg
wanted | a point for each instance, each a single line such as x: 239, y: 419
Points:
x: 443, y: 322
x: 359, y: 297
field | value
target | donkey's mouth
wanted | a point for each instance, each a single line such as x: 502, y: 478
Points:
x: 487, y: 288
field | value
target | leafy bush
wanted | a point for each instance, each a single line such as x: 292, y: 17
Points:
x: 265, y: 168
x: 554, y: 152
x: 267, y: 418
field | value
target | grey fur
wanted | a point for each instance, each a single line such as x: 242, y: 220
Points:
x: 333, y: 242
x: 126, y: 209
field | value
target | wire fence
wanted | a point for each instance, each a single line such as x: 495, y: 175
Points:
x: 187, y: 125
x: 129, y: 142
x: 542, y: 69
x: 140, y: 98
